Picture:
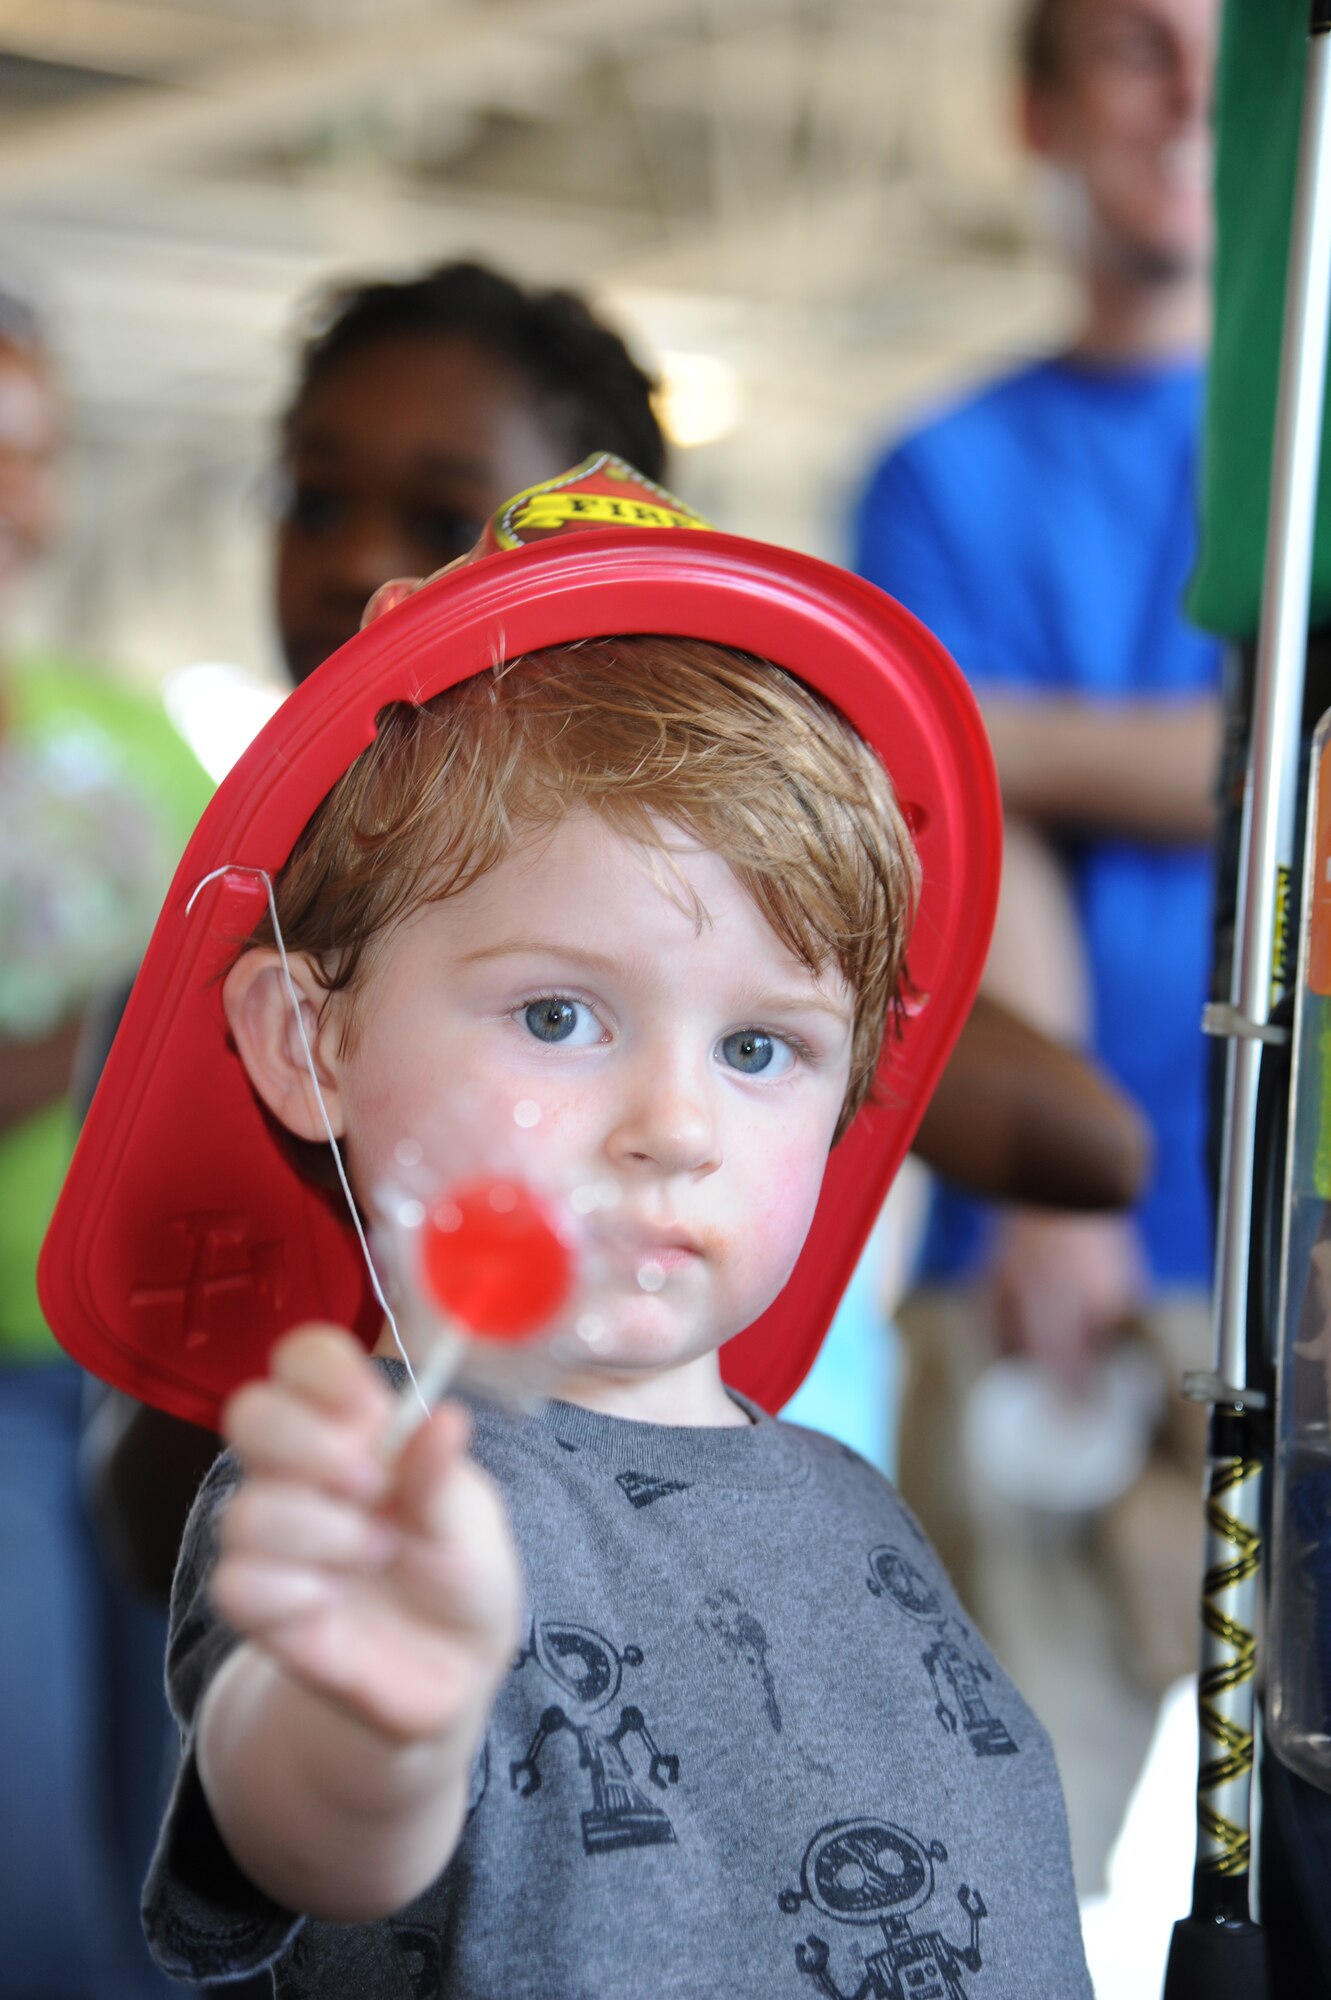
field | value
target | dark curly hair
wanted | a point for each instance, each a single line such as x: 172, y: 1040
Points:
x: 585, y: 382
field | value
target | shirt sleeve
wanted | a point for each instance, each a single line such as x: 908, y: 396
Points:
x: 203, y: 1918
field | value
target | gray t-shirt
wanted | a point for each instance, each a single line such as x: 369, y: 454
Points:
x: 751, y: 1745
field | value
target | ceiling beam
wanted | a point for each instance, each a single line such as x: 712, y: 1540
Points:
x: 464, y: 51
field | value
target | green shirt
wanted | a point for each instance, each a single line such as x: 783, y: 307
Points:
x: 1259, y: 97
x: 98, y: 796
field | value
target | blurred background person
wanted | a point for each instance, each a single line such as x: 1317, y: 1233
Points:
x: 97, y: 796
x: 421, y: 405
x: 1044, y: 527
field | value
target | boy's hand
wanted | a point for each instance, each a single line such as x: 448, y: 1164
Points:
x: 389, y: 1585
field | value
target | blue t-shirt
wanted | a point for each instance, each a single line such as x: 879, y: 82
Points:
x: 1045, y: 530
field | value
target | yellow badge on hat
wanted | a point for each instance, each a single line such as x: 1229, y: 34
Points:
x: 602, y: 492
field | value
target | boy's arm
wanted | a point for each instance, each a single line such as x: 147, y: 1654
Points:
x: 380, y: 1602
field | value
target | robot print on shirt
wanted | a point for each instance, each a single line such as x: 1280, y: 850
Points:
x: 420, y: 1958
x: 866, y: 1872
x: 955, y: 1674
x: 587, y: 1670
x: 403, y: 1959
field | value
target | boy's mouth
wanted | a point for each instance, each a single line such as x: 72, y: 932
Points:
x: 644, y: 1249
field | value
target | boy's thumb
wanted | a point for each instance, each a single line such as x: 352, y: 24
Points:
x: 427, y: 1469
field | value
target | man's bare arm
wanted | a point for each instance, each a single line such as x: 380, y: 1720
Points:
x: 1145, y: 769
x: 1018, y: 1117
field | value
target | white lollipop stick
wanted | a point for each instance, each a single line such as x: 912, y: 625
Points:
x: 432, y: 1378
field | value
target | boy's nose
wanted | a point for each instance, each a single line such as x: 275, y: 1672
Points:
x: 670, y: 1124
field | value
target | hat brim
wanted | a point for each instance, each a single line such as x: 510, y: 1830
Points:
x: 185, y: 1242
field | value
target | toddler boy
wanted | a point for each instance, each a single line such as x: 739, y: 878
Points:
x: 648, y: 1693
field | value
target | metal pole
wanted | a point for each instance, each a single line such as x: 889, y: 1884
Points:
x: 1218, y: 1952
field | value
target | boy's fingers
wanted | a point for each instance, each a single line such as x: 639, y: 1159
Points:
x: 292, y: 1524
x: 427, y: 1467
x: 279, y: 1436
x: 258, y: 1597
x: 318, y: 1416
x: 461, y: 1564
x: 329, y: 1367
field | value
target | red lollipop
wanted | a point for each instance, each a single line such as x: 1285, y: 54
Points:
x: 493, y: 1261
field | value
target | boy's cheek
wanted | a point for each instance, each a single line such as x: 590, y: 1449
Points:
x: 786, y: 1184
x: 451, y: 1107
x: 475, y: 1131
x: 537, y: 1135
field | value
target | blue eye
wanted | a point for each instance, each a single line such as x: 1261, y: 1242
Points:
x: 552, y: 1019
x: 749, y: 1051
x: 558, y: 1020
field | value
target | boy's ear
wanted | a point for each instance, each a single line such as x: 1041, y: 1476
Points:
x: 262, y: 1020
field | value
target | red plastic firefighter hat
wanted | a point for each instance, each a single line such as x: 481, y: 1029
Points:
x: 185, y: 1241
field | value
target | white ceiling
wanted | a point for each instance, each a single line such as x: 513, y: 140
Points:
x: 821, y: 194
